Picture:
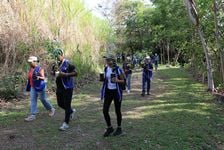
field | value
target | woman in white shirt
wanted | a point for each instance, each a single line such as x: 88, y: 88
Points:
x: 112, y: 90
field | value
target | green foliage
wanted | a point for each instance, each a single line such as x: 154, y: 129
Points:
x: 220, y: 87
x: 166, y: 23
x: 10, y: 86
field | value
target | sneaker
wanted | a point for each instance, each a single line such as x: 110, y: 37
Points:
x: 72, y: 116
x: 148, y: 93
x: 64, y: 127
x: 128, y: 91
x: 143, y: 94
x: 52, y: 112
x: 108, y: 131
x: 30, y: 118
x: 117, y: 132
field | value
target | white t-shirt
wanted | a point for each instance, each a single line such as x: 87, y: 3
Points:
x: 111, y: 86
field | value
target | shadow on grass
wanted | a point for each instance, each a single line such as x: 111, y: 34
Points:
x: 179, y: 115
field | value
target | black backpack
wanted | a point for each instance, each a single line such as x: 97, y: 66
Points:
x: 122, y: 85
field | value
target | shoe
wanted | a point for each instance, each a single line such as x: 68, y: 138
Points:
x: 148, y: 93
x: 52, y: 112
x: 108, y: 131
x: 30, y: 118
x: 118, y: 132
x: 64, y: 127
x: 143, y: 94
x: 72, y: 116
x: 128, y: 91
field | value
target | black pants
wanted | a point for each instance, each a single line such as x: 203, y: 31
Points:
x: 111, y: 95
x: 64, y: 99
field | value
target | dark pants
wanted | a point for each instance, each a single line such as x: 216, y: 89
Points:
x: 64, y: 99
x: 144, y: 82
x: 111, y: 95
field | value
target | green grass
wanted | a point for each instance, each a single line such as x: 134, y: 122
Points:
x: 180, y: 114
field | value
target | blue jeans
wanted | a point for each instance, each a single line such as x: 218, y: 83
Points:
x: 128, y: 81
x: 33, y: 100
x: 146, y: 81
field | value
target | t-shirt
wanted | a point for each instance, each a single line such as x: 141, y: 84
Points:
x: 71, y: 68
x: 30, y: 77
x: 147, y: 72
x: 111, y: 86
x: 147, y: 66
x: 127, y: 68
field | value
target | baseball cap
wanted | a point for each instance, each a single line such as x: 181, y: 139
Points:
x: 32, y: 59
x: 110, y: 57
x: 58, y: 52
x: 147, y: 57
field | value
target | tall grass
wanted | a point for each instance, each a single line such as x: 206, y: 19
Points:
x: 26, y: 25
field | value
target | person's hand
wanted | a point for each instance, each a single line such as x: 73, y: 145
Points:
x: 115, y: 80
x: 38, y: 78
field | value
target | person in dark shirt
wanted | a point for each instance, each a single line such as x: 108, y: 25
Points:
x: 65, y: 84
x: 128, y: 73
x: 147, y: 73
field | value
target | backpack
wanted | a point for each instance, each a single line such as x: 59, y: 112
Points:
x: 121, y: 85
x: 39, y: 85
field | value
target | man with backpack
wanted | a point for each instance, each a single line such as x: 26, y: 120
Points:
x: 147, y: 73
x: 65, y: 84
x: 112, y: 91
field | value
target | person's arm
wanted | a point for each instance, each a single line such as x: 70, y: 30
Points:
x: 121, y: 80
x: 72, y: 72
x: 121, y: 77
x: 41, y: 77
x: 150, y: 67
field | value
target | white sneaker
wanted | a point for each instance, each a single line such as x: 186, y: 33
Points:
x: 52, y: 112
x: 128, y: 91
x: 30, y: 118
x: 72, y: 116
x: 64, y: 127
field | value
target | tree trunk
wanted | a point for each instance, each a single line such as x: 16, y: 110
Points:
x: 168, y: 52
x: 161, y: 52
x: 193, y: 15
x: 177, y: 57
x: 208, y: 59
x: 217, y: 38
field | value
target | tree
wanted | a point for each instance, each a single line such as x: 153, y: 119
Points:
x: 193, y: 14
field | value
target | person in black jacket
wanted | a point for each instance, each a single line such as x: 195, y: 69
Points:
x: 65, y: 84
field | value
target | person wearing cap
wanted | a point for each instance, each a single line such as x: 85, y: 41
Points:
x: 112, y: 91
x: 147, y: 73
x: 128, y: 73
x: 65, y: 84
x: 36, y: 86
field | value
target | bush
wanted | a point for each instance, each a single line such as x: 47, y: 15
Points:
x: 10, y: 86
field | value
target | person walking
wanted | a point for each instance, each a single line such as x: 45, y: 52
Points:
x: 128, y: 73
x: 147, y: 73
x: 156, y: 61
x: 36, y: 85
x: 65, y: 85
x: 112, y: 91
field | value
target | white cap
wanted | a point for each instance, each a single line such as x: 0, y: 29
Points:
x: 147, y: 57
x: 32, y: 59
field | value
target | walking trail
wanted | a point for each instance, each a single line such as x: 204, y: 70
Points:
x: 179, y: 114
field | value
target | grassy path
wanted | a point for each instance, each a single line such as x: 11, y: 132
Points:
x: 178, y: 115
